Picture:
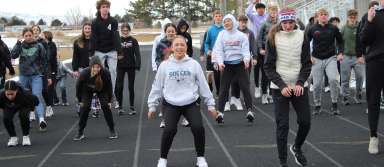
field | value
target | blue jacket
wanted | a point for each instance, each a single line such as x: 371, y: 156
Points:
x: 212, y: 33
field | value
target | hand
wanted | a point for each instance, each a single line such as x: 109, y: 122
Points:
x: 254, y: 62
x: 313, y: 60
x: 49, y: 82
x: 120, y: 57
x: 262, y: 52
x: 221, y: 67
x: 286, y: 92
x: 151, y: 115
x: 298, y: 90
x: 340, y: 57
x: 202, y: 58
x: 246, y: 65
x: 213, y: 113
x: 76, y: 74
x: 360, y: 60
x: 371, y: 14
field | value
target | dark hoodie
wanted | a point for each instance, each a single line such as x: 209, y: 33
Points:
x: 5, y: 59
x: 105, y: 35
x: 130, y: 52
x: 81, y: 55
x: 24, y: 100
x: 86, y: 85
x: 252, y: 42
x: 186, y: 35
x: 372, y: 36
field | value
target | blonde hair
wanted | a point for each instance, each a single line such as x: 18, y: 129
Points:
x: 273, y: 7
x: 322, y: 10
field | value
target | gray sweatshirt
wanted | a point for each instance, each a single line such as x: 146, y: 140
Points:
x: 180, y: 82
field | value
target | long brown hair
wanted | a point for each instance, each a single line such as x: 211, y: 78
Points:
x: 81, y: 39
x: 98, y: 82
x: 272, y: 32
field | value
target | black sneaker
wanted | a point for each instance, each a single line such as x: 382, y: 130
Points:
x: 299, y: 156
x: 220, y: 119
x: 334, y: 109
x: 113, y: 135
x: 346, y: 101
x: 133, y: 111
x: 43, y: 126
x: 95, y: 114
x: 250, y: 116
x: 79, y: 137
x: 121, y: 112
x: 317, y: 110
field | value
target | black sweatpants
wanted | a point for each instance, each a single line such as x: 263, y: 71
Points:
x: 48, y: 91
x: 216, y: 77
x: 192, y: 113
x: 235, y: 88
x: 301, y: 106
x: 24, y: 121
x: 234, y: 72
x: 86, y: 99
x: 375, y: 84
x: 256, y: 72
x: 120, y: 85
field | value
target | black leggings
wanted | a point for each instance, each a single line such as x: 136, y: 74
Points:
x: 86, y: 108
x: 234, y: 72
x: 301, y: 106
x: 256, y: 72
x: 120, y: 85
x: 24, y: 121
x: 192, y: 113
x: 48, y: 91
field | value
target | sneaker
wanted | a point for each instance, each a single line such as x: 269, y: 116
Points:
x: 227, y: 107
x: 32, y: 116
x: 220, y: 118
x: 201, y: 162
x: 117, y: 105
x: 237, y: 103
x: 232, y: 100
x: 346, y: 101
x: 65, y: 104
x: 48, y: 112
x: 373, y: 147
x: 160, y: 114
x: 162, y: 124
x: 317, y: 110
x: 43, y: 126
x: 113, y: 135
x: 270, y: 99
x: 95, y: 114
x: 121, y: 112
x: 250, y: 116
x: 57, y: 103
x: 311, y: 88
x: 26, y: 141
x: 162, y: 162
x: 382, y: 105
x: 264, y: 99
x: 257, y: 92
x: 327, y: 89
x: 334, y: 109
x: 133, y: 111
x: 13, y: 141
x: 79, y: 137
x: 299, y: 156
x: 185, y: 122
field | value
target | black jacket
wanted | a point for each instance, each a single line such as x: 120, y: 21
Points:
x: 372, y: 36
x: 324, y: 41
x: 24, y: 100
x: 186, y: 35
x: 81, y: 55
x: 130, y: 52
x: 105, y: 35
x: 85, y: 85
x: 52, y: 57
x: 360, y: 48
x: 5, y: 59
x: 252, y: 42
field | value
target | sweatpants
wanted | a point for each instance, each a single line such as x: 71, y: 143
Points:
x: 301, y: 106
x: 48, y: 90
x: 193, y: 115
x: 375, y: 84
x: 330, y: 67
x: 120, y: 85
x: 346, y: 66
x: 264, y: 79
x: 235, y: 88
x: 234, y: 72
x: 24, y: 121
x: 109, y: 60
x: 86, y: 99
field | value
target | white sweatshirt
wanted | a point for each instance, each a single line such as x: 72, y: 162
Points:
x: 180, y: 82
x: 232, y: 45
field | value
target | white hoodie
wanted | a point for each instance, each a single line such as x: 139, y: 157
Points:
x: 157, y: 41
x: 180, y: 82
x: 231, y: 45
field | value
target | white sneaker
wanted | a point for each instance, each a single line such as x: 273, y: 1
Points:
x: 264, y: 99
x: 327, y: 89
x: 184, y: 122
x: 311, y: 88
x: 238, y: 104
x: 117, y: 105
x: 257, y: 92
x: 162, y: 124
x: 13, y: 141
x: 373, y: 145
x: 270, y: 99
x: 26, y: 141
x: 201, y: 162
x: 232, y: 101
x: 160, y: 114
x: 32, y: 116
x: 227, y: 107
x: 162, y: 162
x: 48, y: 112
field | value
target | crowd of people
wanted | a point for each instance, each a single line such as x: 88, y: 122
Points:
x: 288, y: 59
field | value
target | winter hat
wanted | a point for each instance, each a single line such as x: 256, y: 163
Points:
x: 95, y: 60
x: 287, y: 14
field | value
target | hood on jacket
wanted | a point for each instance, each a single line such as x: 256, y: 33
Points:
x: 185, y: 59
x: 163, y: 23
x: 181, y: 23
x: 234, y: 21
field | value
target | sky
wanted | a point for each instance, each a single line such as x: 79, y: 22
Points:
x: 59, y: 7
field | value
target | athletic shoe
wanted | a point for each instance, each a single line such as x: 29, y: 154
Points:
x: 270, y: 99
x: 117, y: 105
x: 250, y: 116
x: 43, y: 126
x: 121, y: 112
x: 264, y: 99
x: 13, y: 141
x: 95, y: 114
x: 317, y: 110
x: 133, y: 111
x: 162, y: 162
x: 227, y: 107
x: 26, y: 141
x: 334, y: 109
x: 162, y: 124
x: 237, y: 103
x: 373, y: 147
x: 32, y: 116
x: 65, y: 104
x: 257, y: 92
x: 79, y: 137
x: 113, y: 135
x: 220, y: 118
x: 48, y: 112
x: 185, y: 122
x: 345, y: 101
x: 327, y: 89
x: 201, y: 162
x: 299, y: 156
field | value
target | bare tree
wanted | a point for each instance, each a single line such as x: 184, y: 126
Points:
x: 74, y: 16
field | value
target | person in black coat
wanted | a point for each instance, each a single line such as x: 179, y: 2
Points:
x: 82, y: 50
x: 14, y: 99
x: 5, y: 62
x: 182, y: 29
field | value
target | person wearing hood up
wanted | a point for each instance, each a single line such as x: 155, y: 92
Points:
x: 156, y: 42
x: 94, y: 81
x: 182, y: 29
x: 288, y: 66
x: 231, y: 52
x: 14, y: 99
x: 180, y: 81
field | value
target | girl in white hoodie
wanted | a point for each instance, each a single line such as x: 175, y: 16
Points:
x: 180, y: 82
